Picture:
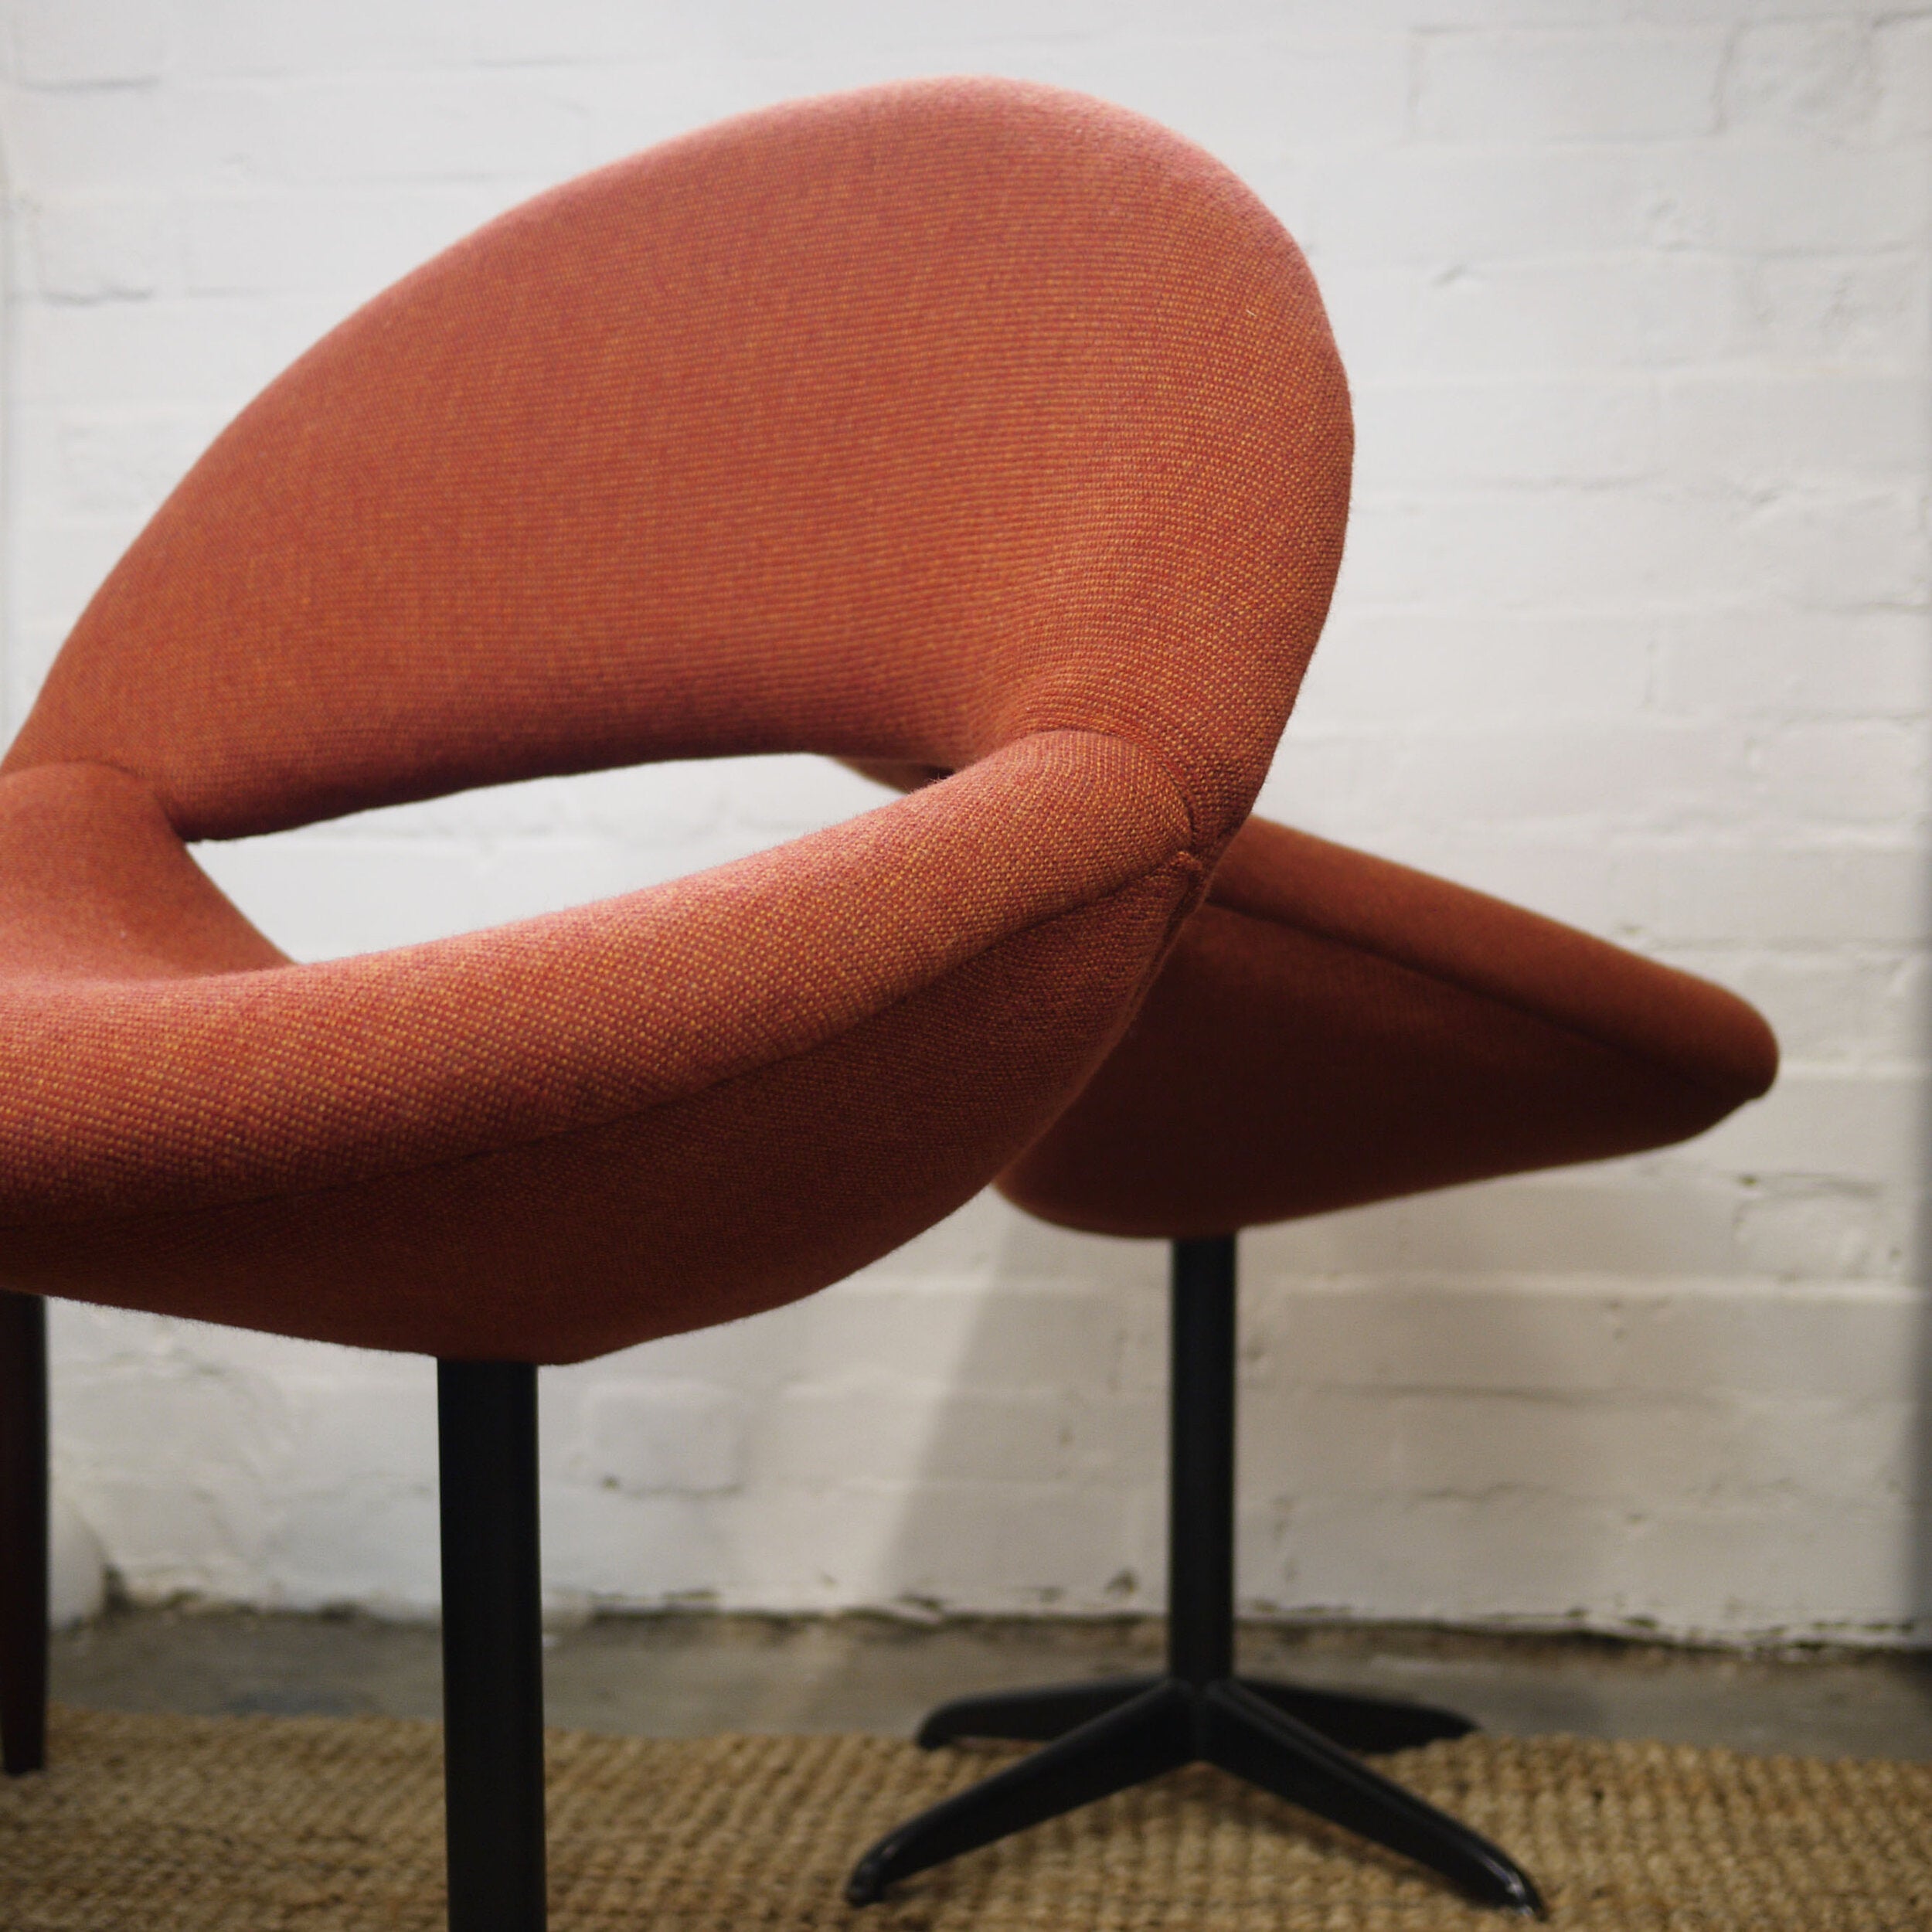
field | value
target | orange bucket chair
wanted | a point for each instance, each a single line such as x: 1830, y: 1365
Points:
x: 1329, y: 1029
x: 962, y: 423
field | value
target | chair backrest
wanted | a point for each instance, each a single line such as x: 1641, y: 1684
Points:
x: 894, y: 425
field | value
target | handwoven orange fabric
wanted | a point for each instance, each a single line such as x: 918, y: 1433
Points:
x: 1331, y: 1029
x: 965, y: 424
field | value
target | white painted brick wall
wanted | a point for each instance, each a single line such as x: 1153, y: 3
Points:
x: 1634, y: 627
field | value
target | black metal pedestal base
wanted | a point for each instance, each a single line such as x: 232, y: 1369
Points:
x: 1106, y: 1735
x: 492, y: 1646
x: 492, y: 1613
x: 1169, y: 1723
x: 23, y: 1533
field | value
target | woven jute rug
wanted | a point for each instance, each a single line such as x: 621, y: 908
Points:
x: 256, y: 1824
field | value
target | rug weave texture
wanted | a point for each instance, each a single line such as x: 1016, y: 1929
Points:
x: 259, y: 1823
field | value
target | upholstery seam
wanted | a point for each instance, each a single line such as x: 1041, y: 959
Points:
x: 1167, y: 770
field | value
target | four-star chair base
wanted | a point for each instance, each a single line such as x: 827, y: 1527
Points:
x: 1106, y: 1736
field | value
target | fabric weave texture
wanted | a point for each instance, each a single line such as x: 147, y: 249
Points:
x: 969, y: 425
x: 1331, y: 1029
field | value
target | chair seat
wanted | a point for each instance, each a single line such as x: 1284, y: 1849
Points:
x: 1332, y: 1029
x: 575, y: 1132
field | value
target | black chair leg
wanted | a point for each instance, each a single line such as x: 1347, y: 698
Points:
x: 1039, y: 1715
x: 1134, y: 1741
x: 492, y: 1646
x: 1262, y: 1743
x: 1369, y: 1725
x: 23, y: 1532
x: 1108, y: 1735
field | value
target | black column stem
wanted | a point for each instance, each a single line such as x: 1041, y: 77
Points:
x: 493, y: 1645
x: 23, y: 1532
x: 1200, y: 1586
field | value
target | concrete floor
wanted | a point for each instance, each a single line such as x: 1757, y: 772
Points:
x: 679, y: 1675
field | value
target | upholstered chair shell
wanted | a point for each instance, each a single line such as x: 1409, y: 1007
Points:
x: 966, y: 424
